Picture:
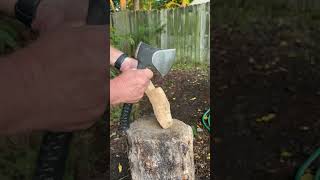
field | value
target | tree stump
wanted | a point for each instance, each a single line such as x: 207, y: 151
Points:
x: 160, y: 154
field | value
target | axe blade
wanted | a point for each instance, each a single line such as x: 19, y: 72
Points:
x: 161, y: 59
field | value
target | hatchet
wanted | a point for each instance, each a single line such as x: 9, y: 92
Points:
x: 162, y: 60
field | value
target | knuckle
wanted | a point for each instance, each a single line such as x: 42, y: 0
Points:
x: 142, y: 81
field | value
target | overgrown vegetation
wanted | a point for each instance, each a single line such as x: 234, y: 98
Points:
x: 147, y: 4
x: 129, y: 42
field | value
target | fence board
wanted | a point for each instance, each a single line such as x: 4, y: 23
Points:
x: 185, y: 29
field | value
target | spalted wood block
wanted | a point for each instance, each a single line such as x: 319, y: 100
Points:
x: 162, y: 154
x: 161, y: 106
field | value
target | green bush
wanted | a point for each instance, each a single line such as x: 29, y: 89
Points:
x: 129, y: 42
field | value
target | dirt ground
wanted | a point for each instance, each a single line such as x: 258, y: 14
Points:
x: 188, y: 93
x: 266, y: 100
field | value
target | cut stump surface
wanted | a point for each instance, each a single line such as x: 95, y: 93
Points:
x: 157, y: 153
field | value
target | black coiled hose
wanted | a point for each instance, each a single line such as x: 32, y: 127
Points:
x: 53, y: 155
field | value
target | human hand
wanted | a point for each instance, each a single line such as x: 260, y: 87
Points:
x: 129, y: 63
x: 129, y: 86
x: 59, y: 62
x: 52, y: 14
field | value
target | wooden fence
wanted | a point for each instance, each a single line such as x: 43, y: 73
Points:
x: 185, y: 29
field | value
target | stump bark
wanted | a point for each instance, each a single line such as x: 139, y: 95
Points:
x: 160, y: 154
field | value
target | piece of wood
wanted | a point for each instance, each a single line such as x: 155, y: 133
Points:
x: 160, y: 154
x: 160, y: 105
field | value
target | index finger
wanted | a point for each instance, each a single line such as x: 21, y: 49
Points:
x: 148, y: 73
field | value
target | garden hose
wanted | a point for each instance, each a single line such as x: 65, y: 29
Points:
x: 317, y: 176
x: 206, y: 121
x: 306, y: 164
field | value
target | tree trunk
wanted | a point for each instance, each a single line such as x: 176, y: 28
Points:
x: 156, y: 153
x: 136, y: 4
x: 112, y: 6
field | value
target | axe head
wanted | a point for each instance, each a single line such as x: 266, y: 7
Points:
x: 161, y: 59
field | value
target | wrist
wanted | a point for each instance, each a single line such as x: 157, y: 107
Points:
x: 120, y: 60
x: 126, y: 64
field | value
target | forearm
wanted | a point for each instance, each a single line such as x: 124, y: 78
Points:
x: 7, y: 7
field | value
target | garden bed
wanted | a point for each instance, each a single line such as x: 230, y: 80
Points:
x: 266, y: 98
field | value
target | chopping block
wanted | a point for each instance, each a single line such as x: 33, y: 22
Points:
x: 156, y: 153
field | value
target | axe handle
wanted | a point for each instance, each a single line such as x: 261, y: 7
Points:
x: 124, y: 118
x: 126, y: 111
x: 53, y: 155
x: 150, y: 87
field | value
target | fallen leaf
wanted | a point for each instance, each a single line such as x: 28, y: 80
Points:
x: 304, y: 128
x: 266, y: 66
x: 120, y: 168
x: 266, y: 118
x: 285, y: 154
x: 199, y: 130
x: 307, y: 176
x: 113, y: 134
x: 251, y: 60
x: 283, y: 43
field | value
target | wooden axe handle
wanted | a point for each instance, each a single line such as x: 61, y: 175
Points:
x: 160, y: 105
x: 150, y: 87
